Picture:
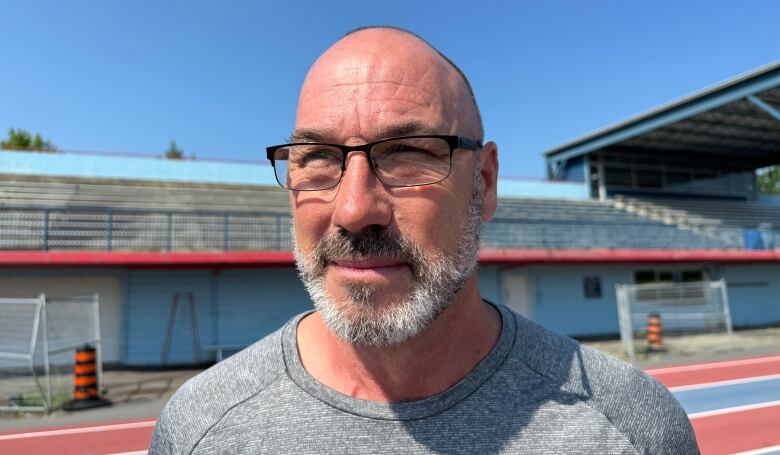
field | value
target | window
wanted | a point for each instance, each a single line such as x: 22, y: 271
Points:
x: 644, y: 276
x: 668, y: 276
x: 688, y: 276
x: 591, y: 285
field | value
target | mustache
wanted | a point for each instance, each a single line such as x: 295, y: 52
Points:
x: 368, y: 243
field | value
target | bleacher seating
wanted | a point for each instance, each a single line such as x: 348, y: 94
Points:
x: 714, y: 212
x: 72, y: 192
x: 69, y: 213
x: 566, y: 223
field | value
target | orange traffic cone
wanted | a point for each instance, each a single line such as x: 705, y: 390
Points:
x: 654, y: 339
x: 85, y: 393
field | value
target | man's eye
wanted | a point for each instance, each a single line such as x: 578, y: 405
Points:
x: 318, y: 158
x: 403, y: 148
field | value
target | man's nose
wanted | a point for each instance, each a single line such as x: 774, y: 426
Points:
x: 361, y: 200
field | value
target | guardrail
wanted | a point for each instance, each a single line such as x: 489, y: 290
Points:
x: 107, y: 229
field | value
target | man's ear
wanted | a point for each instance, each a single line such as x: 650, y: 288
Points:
x: 488, y: 170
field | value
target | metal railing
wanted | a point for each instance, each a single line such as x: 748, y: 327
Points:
x: 562, y: 233
x: 107, y: 229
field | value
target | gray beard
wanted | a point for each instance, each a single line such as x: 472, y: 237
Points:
x: 438, y: 279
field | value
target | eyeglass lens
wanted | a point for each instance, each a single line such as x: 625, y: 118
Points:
x: 397, y: 162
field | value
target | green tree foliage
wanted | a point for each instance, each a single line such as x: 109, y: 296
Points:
x: 19, y: 139
x: 174, y: 152
x: 769, y: 180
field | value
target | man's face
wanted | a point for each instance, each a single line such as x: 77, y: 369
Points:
x: 381, y: 262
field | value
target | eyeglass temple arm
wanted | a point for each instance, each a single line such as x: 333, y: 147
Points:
x: 466, y: 143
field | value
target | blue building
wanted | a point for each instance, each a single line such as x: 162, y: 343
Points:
x: 195, y: 255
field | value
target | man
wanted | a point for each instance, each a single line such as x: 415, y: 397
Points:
x: 389, y: 184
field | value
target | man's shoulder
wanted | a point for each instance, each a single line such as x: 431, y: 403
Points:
x: 637, y: 405
x: 202, y: 401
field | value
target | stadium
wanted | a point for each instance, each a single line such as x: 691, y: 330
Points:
x: 191, y: 259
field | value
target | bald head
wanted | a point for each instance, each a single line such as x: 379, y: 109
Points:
x: 380, y: 82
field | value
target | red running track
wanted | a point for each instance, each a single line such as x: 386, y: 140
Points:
x: 725, y: 433
x: 738, y: 431
x: 98, y: 439
x: 716, y: 371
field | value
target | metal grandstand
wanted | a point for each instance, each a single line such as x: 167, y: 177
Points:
x: 94, y: 214
x: 707, y: 144
x: 679, y: 177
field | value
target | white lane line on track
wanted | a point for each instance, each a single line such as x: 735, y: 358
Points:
x: 713, y: 365
x: 746, y: 407
x: 760, y: 451
x: 41, y: 434
x: 706, y: 385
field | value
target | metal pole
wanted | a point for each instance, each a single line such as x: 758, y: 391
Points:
x: 225, y: 231
x: 602, y: 184
x: 169, y: 334
x: 33, y: 341
x: 46, y: 352
x: 169, y: 228
x: 109, y: 228
x: 195, y: 332
x: 279, y: 232
x: 726, y: 308
x: 625, y: 320
x: 98, y: 343
x: 45, y: 229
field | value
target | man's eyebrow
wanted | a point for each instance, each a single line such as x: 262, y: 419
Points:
x: 312, y: 135
x: 409, y: 128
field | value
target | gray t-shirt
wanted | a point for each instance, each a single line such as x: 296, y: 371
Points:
x: 536, y: 392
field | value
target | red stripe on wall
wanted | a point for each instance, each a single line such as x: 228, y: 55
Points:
x: 285, y: 258
x: 592, y: 256
x: 115, y: 258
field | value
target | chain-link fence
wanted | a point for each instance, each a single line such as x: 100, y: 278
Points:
x: 38, y: 341
x: 683, y: 310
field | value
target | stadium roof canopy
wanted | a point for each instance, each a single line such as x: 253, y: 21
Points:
x: 737, y: 119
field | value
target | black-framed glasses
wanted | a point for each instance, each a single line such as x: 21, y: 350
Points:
x: 399, y: 161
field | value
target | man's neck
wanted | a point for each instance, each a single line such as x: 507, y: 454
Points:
x: 445, y: 352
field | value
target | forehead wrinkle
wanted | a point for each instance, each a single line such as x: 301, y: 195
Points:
x: 377, y: 91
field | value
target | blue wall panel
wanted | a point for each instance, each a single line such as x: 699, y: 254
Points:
x: 137, y: 168
x: 489, y: 279
x: 754, y: 293
x: 149, y: 303
x: 574, y: 169
x: 234, y: 307
x: 254, y: 302
x: 240, y: 306
x: 519, y: 187
x: 560, y: 302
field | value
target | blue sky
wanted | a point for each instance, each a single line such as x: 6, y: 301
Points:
x: 221, y: 78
